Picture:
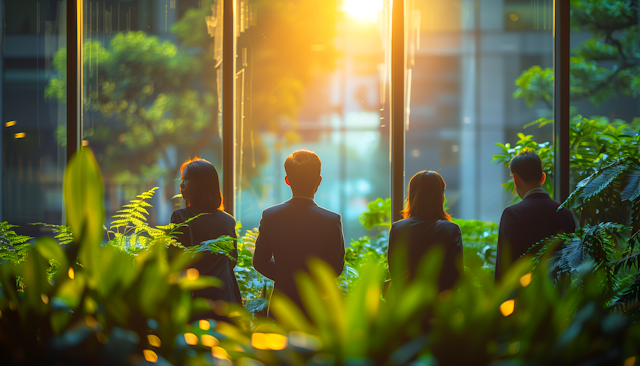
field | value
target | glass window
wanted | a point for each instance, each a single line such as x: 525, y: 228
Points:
x: 33, y: 111
x: 312, y: 74
x: 605, y: 91
x: 463, y: 60
x: 151, y: 95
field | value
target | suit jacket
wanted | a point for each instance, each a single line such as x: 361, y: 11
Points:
x: 525, y: 224
x: 291, y: 234
x: 418, y: 237
x: 208, y: 227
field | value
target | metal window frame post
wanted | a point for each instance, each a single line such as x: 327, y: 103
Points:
x: 74, y: 77
x: 228, y: 106
x: 561, y: 98
x: 397, y: 135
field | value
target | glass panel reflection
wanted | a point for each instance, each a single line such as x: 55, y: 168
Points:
x: 463, y: 60
x: 33, y: 113
x: 312, y: 74
x: 150, y: 95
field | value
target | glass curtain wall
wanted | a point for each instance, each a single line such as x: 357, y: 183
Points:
x: 605, y: 92
x: 151, y: 95
x: 312, y: 74
x: 464, y: 59
x: 33, y: 117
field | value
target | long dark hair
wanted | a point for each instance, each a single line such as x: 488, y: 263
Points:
x: 426, y: 196
x: 205, y: 184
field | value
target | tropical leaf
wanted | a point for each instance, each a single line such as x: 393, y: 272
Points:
x: 631, y: 191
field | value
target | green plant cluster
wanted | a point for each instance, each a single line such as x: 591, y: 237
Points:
x: 105, y: 305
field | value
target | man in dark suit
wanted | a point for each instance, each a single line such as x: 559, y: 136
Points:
x: 298, y: 230
x: 535, y: 218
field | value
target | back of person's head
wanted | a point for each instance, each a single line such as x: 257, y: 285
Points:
x: 527, y: 165
x: 204, y: 183
x: 303, y: 170
x: 426, y: 196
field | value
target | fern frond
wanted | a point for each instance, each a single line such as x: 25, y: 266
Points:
x: 223, y: 245
x: 604, y: 178
x: 628, y: 302
x: 632, y: 190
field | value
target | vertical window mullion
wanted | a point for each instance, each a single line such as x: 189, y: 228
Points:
x: 74, y: 77
x: 228, y: 105
x: 561, y: 97
x: 397, y: 136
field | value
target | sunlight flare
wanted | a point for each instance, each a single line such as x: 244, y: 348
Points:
x: 363, y: 10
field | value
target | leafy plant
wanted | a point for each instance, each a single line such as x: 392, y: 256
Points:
x: 107, y: 310
x: 61, y: 233
x: 12, y: 245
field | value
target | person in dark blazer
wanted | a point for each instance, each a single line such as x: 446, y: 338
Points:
x: 294, y: 232
x: 200, y: 188
x: 535, y: 218
x: 425, y: 226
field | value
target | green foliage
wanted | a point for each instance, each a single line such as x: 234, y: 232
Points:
x: 62, y: 233
x: 593, y: 142
x: 143, y: 88
x: 12, y: 246
x: 223, y: 245
x: 254, y: 287
x: 100, y: 311
x: 378, y: 214
x: 535, y: 84
x: 418, y: 325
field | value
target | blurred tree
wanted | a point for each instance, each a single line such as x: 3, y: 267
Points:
x: 601, y: 67
x: 151, y: 94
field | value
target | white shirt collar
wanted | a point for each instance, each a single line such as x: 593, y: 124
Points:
x: 533, y: 191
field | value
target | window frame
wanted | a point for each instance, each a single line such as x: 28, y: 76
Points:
x: 561, y: 54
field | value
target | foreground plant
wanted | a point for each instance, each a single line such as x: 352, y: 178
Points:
x: 101, y: 306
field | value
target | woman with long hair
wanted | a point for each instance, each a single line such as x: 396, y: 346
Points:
x: 200, y: 188
x: 426, y: 226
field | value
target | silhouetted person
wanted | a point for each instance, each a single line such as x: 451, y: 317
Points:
x: 426, y: 226
x: 200, y: 188
x: 535, y: 218
x: 298, y: 230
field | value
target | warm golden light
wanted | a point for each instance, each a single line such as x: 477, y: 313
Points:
x: 10, y: 123
x: 45, y: 298
x: 204, y: 324
x: 276, y: 341
x: 20, y: 135
x: 191, y: 339
x: 363, y: 10
x: 630, y: 361
x: 150, y: 356
x: 220, y: 353
x: 259, y: 340
x: 507, y: 307
x: 72, y: 274
x: 192, y: 274
x: 209, y: 340
x: 85, y: 142
x: 525, y: 280
x: 154, y: 340
x: 514, y: 17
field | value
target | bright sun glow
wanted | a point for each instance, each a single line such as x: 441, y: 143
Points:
x: 363, y: 10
